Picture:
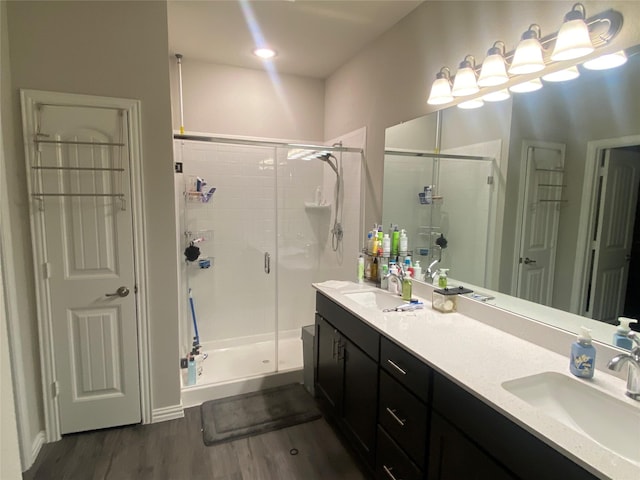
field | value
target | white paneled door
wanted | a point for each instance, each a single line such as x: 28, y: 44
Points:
x: 544, y: 183
x: 80, y: 186
x: 612, y: 245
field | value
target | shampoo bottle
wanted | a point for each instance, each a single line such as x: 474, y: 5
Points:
x: 404, y: 243
x: 583, y: 355
x: 620, y: 338
x: 395, y: 240
x: 386, y: 244
x: 191, y: 371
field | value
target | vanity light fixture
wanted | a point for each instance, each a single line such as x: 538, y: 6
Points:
x: 604, y: 62
x: 524, y: 87
x: 471, y: 104
x: 498, y: 96
x: 562, y: 75
x: 494, y: 70
x: 264, y: 53
x: 533, y: 54
x: 465, y: 82
x: 441, y: 88
x: 573, y: 39
x: 528, y: 55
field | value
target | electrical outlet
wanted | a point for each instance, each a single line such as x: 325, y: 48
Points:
x: 184, y: 363
x: 178, y: 167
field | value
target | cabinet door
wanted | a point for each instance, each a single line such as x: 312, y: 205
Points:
x: 330, y: 366
x: 360, y: 401
x: 452, y: 456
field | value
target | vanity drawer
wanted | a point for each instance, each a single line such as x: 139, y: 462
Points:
x: 404, y: 417
x: 391, y: 462
x: 407, y: 369
x: 355, y: 329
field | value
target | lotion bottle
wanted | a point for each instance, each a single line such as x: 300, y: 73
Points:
x: 404, y: 242
x: 583, y: 355
x: 620, y: 338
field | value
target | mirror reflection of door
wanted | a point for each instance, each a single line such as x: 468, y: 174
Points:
x: 541, y: 200
x: 609, y: 294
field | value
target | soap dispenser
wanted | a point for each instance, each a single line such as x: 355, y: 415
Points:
x: 442, y: 278
x: 620, y: 338
x: 583, y: 355
x: 404, y: 243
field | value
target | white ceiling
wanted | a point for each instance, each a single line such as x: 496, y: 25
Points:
x: 312, y: 37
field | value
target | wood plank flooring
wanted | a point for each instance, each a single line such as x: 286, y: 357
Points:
x: 174, y: 450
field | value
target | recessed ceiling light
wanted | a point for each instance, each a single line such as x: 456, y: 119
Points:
x: 264, y: 53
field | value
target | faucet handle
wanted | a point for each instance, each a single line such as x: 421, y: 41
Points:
x: 634, y: 337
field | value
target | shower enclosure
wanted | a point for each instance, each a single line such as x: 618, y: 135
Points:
x: 265, y: 219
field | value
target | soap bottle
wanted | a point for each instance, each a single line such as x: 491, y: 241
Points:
x: 442, y: 278
x: 620, y: 338
x: 404, y: 243
x: 360, y: 269
x: 395, y: 240
x: 386, y: 244
x: 583, y: 355
x: 406, y: 287
x: 417, y: 271
x: 191, y: 371
x: 392, y: 284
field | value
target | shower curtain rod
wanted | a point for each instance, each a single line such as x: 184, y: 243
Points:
x: 415, y: 153
x: 265, y: 143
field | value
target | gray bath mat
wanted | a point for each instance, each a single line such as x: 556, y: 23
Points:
x: 250, y: 414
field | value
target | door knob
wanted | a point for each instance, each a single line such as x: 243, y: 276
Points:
x: 120, y: 292
x: 527, y: 261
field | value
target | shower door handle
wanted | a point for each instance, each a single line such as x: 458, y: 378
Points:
x: 267, y: 263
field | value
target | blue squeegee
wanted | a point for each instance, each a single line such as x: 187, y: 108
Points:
x: 196, y: 338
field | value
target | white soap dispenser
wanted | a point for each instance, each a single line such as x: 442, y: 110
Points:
x: 404, y: 243
x: 620, y: 338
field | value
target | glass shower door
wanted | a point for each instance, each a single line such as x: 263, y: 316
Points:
x: 234, y: 296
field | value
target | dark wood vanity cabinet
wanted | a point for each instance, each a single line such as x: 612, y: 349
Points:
x: 410, y: 422
x: 347, y: 374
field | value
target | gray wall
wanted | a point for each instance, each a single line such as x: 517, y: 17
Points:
x: 221, y: 99
x: 388, y: 82
x: 125, y: 57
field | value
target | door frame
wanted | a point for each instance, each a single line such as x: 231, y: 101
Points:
x: 29, y: 101
x: 586, y: 223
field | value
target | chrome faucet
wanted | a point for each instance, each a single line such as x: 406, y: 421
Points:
x: 633, y: 359
x: 431, y: 272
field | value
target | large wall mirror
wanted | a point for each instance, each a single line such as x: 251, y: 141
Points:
x: 537, y: 197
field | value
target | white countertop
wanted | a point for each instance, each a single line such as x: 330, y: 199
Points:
x: 479, y: 358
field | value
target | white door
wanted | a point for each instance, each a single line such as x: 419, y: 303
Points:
x: 540, y: 218
x: 81, y: 178
x: 620, y: 176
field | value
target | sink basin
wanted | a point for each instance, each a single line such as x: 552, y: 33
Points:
x: 377, y: 299
x: 608, y: 421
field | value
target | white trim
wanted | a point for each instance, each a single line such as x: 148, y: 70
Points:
x: 164, y: 414
x: 36, y: 446
x: 586, y: 222
x: 23, y: 419
x: 29, y: 101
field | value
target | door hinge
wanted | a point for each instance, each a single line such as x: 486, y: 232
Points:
x: 135, y: 289
x: 55, y: 389
x: 46, y: 270
x: 490, y: 180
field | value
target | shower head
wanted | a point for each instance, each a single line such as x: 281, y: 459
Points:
x: 326, y: 157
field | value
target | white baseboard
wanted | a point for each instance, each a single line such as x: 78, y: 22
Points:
x: 167, y: 413
x: 36, y: 446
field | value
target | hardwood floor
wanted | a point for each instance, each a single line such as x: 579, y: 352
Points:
x: 174, y: 450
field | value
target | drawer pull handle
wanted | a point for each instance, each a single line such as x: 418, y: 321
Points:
x: 387, y: 470
x: 396, y: 367
x: 395, y: 417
